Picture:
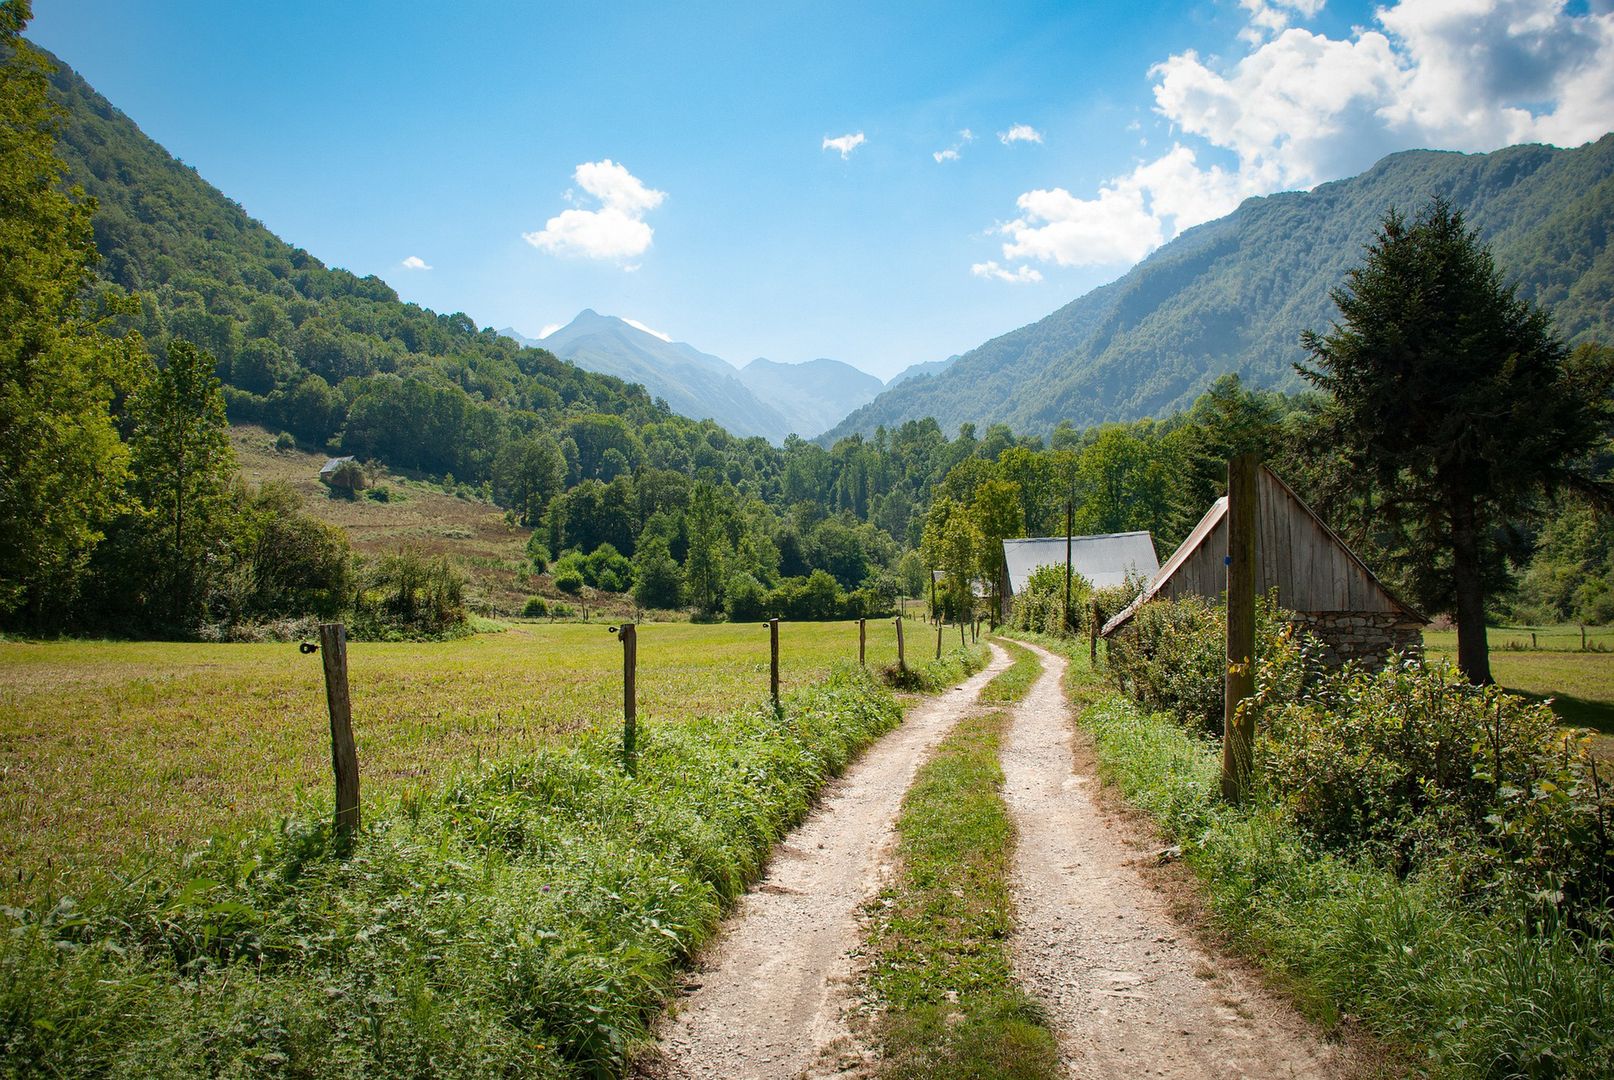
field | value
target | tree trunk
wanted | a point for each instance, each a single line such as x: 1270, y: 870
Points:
x: 1473, y: 651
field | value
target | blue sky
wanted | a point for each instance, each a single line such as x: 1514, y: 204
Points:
x: 696, y: 167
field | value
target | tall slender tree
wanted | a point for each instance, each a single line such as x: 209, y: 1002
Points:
x: 1454, y: 405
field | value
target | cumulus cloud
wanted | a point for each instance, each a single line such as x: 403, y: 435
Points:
x: 1020, y: 133
x: 616, y: 230
x: 637, y: 325
x: 1298, y: 108
x: 1020, y: 275
x: 415, y: 262
x: 948, y: 154
x: 844, y: 143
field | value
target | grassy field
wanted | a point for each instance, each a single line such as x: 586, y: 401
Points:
x: 116, y: 749
x: 1546, y: 661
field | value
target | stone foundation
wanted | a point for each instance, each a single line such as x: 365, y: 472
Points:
x: 1367, y: 637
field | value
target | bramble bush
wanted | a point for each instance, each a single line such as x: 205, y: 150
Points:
x: 1172, y: 658
x: 1424, y: 772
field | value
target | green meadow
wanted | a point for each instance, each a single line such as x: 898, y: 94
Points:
x: 115, y: 749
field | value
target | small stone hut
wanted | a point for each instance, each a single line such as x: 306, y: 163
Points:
x: 1330, y: 590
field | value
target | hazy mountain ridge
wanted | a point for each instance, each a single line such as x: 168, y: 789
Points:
x: 764, y: 398
x: 1234, y: 294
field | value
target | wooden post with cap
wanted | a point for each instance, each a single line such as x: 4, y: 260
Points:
x: 628, y: 634
x: 773, y: 664
x: 902, y: 659
x: 862, y: 639
x: 1238, y: 723
x: 344, y: 753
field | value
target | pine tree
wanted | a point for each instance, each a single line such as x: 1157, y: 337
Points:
x: 1455, y: 405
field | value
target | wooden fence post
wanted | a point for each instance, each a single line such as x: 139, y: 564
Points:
x: 962, y: 641
x: 1070, y: 527
x: 1092, y: 635
x: 1238, y: 726
x: 862, y: 638
x: 773, y: 665
x: 938, y: 638
x: 629, y: 636
x: 902, y: 659
x: 344, y: 755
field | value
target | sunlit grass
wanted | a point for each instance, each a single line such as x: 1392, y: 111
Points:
x: 1580, y: 684
x: 110, y: 749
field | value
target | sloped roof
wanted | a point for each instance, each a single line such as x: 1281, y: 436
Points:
x: 331, y: 464
x: 1103, y: 560
x: 1297, y: 554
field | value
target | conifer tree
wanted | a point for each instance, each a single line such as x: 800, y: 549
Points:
x: 1455, y: 405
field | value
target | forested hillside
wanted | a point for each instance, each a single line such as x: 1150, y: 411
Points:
x: 1234, y: 295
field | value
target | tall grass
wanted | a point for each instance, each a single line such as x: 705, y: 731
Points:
x: 525, y: 919
x: 1483, y: 996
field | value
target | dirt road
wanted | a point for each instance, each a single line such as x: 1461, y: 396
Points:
x: 1127, y: 993
x: 775, y: 992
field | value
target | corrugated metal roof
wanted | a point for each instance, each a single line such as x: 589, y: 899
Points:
x: 1103, y: 560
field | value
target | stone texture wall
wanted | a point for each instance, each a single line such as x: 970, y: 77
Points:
x: 1368, y: 637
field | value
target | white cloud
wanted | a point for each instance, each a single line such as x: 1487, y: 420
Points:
x: 1020, y: 133
x: 415, y: 262
x: 844, y: 143
x: 1298, y: 108
x: 637, y: 325
x: 1020, y: 275
x: 548, y: 329
x: 965, y: 137
x: 617, y: 230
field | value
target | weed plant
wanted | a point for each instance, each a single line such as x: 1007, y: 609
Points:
x: 942, y: 671
x: 526, y: 919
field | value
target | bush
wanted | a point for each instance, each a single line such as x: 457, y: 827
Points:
x: 1039, y: 608
x: 745, y: 599
x: 408, y: 594
x: 380, y: 493
x: 537, y: 554
x: 284, y: 442
x: 1422, y: 771
x: 569, y: 580
x: 535, y: 608
x: 1172, y: 657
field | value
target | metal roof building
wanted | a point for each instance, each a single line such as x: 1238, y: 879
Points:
x: 1103, y: 560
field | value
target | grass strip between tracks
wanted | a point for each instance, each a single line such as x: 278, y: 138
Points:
x: 940, y: 933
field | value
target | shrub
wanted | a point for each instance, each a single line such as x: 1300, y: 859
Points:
x: 1420, y: 770
x: 537, y: 553
x: 284, y: 441
x: 1172, y: 657
x: 380, y: 493
x: 1039, y: 608
x: 744, y: 598
x: 569, y: 580
x: 535, y: 607
x: 408, y: 594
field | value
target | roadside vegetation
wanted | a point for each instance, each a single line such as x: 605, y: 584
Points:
x: 1427, y: 856
x: 941, y: 969
x: 525, y: 917
x: 113, y: 749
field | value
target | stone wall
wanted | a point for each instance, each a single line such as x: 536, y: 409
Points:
x: 1368, y: 637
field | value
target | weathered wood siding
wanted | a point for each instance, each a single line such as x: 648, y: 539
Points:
x: 1294, y: 554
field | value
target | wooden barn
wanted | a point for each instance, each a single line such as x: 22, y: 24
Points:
x: 1331, y: 592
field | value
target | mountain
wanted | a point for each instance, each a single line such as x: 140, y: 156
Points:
x: 812, y: 396
x: 764, y: 398
x: 690, y: 382
x: 1234, y: 295
x: 927, y: 367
